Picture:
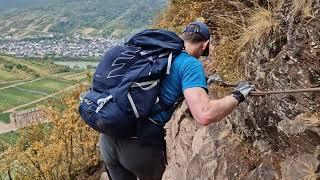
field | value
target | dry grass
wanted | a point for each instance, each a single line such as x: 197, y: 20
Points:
x: 278, y: 4
x: 261, y: 26
x: 241, y: 26
x: 304, y: 7
x: 231, y: 19
x: 225, y: 60
x: 313, y: 120
x: 178, y: 14
x: 310, y: 172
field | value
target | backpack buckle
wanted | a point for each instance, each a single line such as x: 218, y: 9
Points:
x: 102, y: 102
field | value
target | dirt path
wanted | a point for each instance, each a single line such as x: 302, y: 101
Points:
x: 28, y: 30
x: 71, y: 76
x: 20, y: 83
x: 46, y: 29
x: 27, y: 90
x: 7, y: 128
x: 6, y: 82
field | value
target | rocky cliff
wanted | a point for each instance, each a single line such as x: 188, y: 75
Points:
x: 275, y: 45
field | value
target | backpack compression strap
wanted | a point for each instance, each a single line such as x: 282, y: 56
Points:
x: 170, y: 58
x: 150, y: 84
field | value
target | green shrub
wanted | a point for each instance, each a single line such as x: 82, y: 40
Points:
x: 89, y: 66
x: 64, y: 69
x: 19, y: 66
x: 5, y: 118
x: 9, y: 66
x: 24, y: 67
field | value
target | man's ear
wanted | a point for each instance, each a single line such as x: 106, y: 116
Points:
x: 204, y: 46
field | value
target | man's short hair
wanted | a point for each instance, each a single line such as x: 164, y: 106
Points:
x: 193, y: 38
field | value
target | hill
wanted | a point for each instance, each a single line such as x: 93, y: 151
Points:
x: 14, y: 69
x: 22, y: 18
x: 22, y: 4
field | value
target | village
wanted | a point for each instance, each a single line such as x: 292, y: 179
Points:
x: 57, y: 46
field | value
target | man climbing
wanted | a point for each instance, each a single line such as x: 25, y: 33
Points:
x: 132, y: 158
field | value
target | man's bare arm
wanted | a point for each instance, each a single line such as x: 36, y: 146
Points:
x: 207, y: 111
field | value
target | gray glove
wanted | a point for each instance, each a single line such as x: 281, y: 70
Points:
x: 242, y: 91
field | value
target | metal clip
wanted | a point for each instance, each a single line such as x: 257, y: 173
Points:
x: 102, y: 102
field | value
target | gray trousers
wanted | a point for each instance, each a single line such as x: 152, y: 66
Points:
x: 129, y: 159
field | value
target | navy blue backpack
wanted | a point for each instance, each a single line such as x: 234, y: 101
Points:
x: 126, y: 84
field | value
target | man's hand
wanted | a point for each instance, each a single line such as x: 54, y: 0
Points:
x: 242, y: 91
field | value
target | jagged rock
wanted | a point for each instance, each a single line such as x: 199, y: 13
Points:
x: 193, y: 151
x: 301, y: 166
x: 265, y: 171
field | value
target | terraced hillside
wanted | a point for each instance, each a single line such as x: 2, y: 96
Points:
x: 25, y: 84
x: 22, y: 18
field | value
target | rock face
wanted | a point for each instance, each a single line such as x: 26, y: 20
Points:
x: 271, y: 137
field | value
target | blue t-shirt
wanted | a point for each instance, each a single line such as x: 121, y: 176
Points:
x: 186, y: 72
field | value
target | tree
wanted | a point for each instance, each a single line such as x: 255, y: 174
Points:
x: 60, y: 149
